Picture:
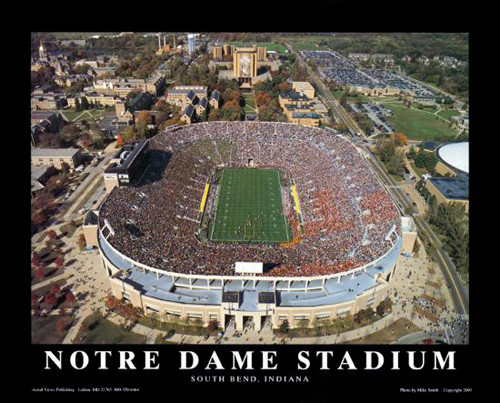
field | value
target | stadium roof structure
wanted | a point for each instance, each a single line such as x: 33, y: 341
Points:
x: 456, y: 155
x: 167, y: 211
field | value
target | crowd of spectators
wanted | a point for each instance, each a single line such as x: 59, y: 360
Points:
x: 346, y: 213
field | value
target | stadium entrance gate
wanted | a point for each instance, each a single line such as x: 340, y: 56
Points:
x: 248, y: 322
x: 265, y: 322
x: 229, y: 320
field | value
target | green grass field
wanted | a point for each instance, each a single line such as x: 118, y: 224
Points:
x: 273, y: 47
x: 249, y: 207
x: 73, y: 117
x: 418, y: 125
x: 308, y: 46
x: 109, y: 333
x: 448, y: 113
x: 249, y: 103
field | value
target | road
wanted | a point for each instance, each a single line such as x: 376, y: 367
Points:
x: 459, y: 290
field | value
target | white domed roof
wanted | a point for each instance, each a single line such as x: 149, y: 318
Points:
x: 456, y: 155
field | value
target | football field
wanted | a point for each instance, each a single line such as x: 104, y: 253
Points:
x: 249, y: 207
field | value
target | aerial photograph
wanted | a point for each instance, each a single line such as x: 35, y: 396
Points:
x: 249, y: 188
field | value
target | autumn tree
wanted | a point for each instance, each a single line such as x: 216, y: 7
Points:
x: 55, y: 289
x: 52, y: 234
x: 70, y: 297
x: 119, y: 140
x: 59, y: 262
x: 38, y: 273
x: 400, y: 139
x: 213, y: 326
x: 111, y: 301
x: 50, y: 299
x: 35, y: 260
x: 81, y: 241
x: 61, y: 325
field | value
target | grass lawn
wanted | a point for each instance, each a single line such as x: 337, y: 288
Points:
x: 106, y: 332
x: 386, y: 336
x: 418, y: 171
x: 43, y: 330
x: 308, y: 46
x: 418, y: 125
x: 448, y: 113
x: 301, y: 38
x: 72, y: 116
x: 249, y: 103
x: 273, y: 47
x: 249, y: 207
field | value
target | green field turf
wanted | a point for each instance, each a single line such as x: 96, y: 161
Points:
x: 73, y: 117
x: 309, y: 46
x: 273, y: 47
x: 249, y: 103
x: 418, y: 125
x: 448, y: 113
x: 249, y: 207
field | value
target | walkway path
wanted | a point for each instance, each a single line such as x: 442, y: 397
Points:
x: 51, y: 280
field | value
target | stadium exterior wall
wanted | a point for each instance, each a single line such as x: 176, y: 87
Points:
x: 276, y: 314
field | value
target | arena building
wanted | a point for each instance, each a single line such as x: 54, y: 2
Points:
x: 251, y: 223
x: 453, y: 165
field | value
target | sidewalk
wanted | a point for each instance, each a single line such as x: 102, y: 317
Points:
x: 253, y: 337
x: 49, y: 281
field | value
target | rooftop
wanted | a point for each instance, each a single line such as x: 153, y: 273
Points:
x: 456, y: 155
x: 54, y: 152
x: 456, y: 188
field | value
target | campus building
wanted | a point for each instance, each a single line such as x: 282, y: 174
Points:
x: 454, y: 165
x: 305, y: 88
x: 126, y: 166
x: 56, y: 157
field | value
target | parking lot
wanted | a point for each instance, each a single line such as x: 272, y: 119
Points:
x: 332, y: 66
x: 377, y: 114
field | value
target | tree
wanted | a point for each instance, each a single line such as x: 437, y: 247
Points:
x: 50, y: 299
x: 386, y: 149
x: 119, y: 140
x: 85, y: 103
x: 213, y: 326
x: 81, y: 241
x: 70, y: 297
x: 59, y: 262
x: 38, y: 273
x: 52, y: 234
x: 400, y: 139
x: 34, y: 299
x: 111, y: 301
x: 65, y: 168
x: 284, y: 327
x: 61, y: 325
x: 78, y: 106
x: 56, y: 290
x: 35, y: 260
x: 396, y: 165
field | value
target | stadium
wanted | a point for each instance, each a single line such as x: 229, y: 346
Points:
x: 251, y: 224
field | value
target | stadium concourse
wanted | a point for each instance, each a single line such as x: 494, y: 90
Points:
x: 346, y: 229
